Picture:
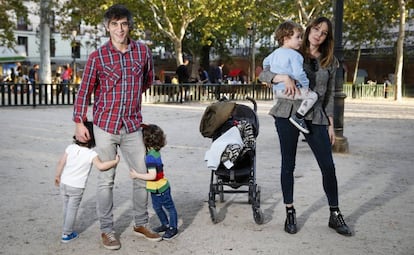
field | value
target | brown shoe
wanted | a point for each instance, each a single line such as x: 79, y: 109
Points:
x: 110, y: 242
x: 147, y: 234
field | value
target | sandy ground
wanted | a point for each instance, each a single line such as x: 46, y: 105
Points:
x: 375, y: 178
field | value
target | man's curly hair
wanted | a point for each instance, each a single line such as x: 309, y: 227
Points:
x: 154, y: 136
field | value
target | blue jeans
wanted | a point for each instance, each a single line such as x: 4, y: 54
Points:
x: 133, y: 152
x: 65, y: 88
x: 161, y: 201
x: 318, y: 141
x: 71, y: 200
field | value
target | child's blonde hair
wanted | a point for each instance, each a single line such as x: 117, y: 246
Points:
x: 286, y: 29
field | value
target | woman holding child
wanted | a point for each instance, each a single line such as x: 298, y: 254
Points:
x: 320, y: 66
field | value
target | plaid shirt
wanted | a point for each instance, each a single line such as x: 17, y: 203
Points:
x: 118, y: 79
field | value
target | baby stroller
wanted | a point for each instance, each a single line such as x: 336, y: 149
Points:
x: 233, y: 129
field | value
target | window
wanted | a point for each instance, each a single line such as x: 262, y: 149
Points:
x: 21, y: 23
x: 22, y: 40
x: 52, y: 47
x: 76, y: 49
x: 52, y: 19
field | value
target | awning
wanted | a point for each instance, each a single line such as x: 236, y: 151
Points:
x: 12, y: 59
x: 235, y: 72
x: 8, y: 55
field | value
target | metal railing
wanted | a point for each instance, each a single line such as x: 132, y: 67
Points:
x: 65, y: 94
x: 40, y: 94
x: 368, y: 90
x: 163, y: 93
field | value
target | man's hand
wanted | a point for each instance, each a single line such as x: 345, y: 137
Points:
x: 82, y: 133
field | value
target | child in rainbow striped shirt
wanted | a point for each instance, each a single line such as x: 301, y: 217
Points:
x: 157, y: 184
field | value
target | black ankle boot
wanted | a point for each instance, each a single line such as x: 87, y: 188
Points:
x: 290, y: 223
x: 337, y: 222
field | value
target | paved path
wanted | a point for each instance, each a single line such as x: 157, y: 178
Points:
x: 375, y: 182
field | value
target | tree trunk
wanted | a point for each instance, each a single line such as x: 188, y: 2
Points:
x: 205, y: 57
x: 400, y: 53
x: 178, y: 47
x: 45, y: 74
x: 195, y: 65
x: 356, y: 66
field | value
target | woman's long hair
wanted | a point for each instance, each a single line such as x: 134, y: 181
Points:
x: 326, y: 48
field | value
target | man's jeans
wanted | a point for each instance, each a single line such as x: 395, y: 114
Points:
x: 133, y: 152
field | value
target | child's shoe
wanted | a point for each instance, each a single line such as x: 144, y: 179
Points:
x: 171, y: 233
x: 68, y: 238
x: 299, y: 123
x: 161, y: 228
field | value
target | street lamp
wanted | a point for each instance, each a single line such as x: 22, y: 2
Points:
x: 341, y: 142
x: 74, y: 52
x: 251, y: 31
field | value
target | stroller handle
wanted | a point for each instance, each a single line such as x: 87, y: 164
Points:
x: 253, y: 102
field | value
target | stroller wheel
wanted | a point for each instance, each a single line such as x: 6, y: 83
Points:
x: 254, y: 195
x: 258, y: 216
x: 250, y: 195
x: 213, y: 214
x: 221, y: 193
x: 258, y: 195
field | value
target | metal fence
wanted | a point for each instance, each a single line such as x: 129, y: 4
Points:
x: 64, y: 94
x: 40, y: 94
x: 369, y: 90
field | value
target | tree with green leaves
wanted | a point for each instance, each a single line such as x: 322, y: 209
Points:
x: 195, y: 27
x: 11, y: 11
x: 165, y: 19
x: 198, y: 24
x: 172, y: 19
x: 358, y: 28
x: 371, y: 27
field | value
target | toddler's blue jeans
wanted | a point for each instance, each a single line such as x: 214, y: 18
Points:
x: 161, y: 201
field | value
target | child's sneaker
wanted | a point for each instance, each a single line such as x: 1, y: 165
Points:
x: 161, y: 228
x: 299, y: 123
x: 68, y: 238
x: 171, y: 233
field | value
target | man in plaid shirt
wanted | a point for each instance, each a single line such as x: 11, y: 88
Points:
x: 117, y: 73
